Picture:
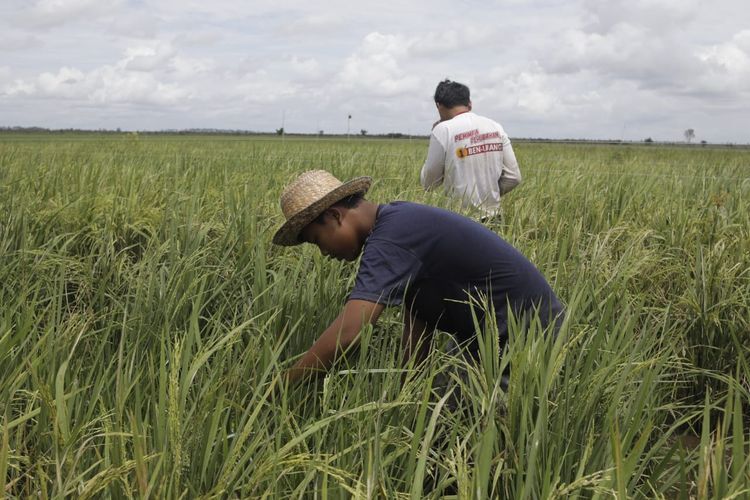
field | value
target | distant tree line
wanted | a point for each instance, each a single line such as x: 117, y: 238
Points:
x: 43, y: 130
x: 196, y: 131
x: 689, y: 135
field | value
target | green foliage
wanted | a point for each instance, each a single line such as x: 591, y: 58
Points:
x: 145, y: 319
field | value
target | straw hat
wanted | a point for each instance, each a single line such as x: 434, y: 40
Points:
x: 309, y: 196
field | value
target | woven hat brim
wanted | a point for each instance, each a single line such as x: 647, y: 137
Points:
x: 288, y: 233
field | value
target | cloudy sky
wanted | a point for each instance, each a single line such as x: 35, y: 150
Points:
x: 622, y: 69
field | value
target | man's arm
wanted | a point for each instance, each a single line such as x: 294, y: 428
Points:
x: 511, y: 175
x: 434, y: 167
x: 337, y: 338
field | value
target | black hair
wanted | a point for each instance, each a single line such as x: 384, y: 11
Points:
x: 351, y: 201
x: 451, y: 94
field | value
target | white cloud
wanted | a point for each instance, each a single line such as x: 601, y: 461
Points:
x: 51, y: 13
x: 742, y: 40
x: 375, y: 67
x: 132, y: 24
x: 18, y: 87
x: 320, y: 23
x: 305, y: 67
x: 671, y: 66
x: 128, y: 80
x: 732, y: 56
x: 626, y: 52
x: 148, y: 58
x: 526, y: 89
x: 442, y: 43
x: 10, y: 40
x: 659, y: 15
x: 726, y: 68
x: 385, y: 65
x: 199, y: 39
x: 187, y: 68
x: 5, y: 74
x: 110, y: 84
x: 559, y: 69
x: 154, y: 73
x: 260, y: 87
x: 534, y: 93
x: 375, y: 44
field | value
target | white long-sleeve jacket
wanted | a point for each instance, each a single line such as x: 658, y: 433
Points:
x: 472, y: 157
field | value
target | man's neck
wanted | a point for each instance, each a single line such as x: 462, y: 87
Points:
x: 457, y: 110
x: 367, y: 212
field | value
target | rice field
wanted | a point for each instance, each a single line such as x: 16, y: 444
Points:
x: 145, y: 319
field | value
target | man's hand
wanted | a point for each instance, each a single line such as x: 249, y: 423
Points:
x: 337, y: 338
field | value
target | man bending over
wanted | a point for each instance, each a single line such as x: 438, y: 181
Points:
x: 432, y: 261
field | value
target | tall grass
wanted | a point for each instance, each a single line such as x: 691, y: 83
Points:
x: 145, y: 319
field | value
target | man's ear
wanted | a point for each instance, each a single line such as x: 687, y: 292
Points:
x: 469, y: 105
x: 336, y: 213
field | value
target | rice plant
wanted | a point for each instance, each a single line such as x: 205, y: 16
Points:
x: 145, y: 320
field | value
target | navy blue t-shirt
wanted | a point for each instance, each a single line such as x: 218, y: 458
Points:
x: 415, y: 247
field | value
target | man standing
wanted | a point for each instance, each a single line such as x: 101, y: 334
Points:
x: 469, y: 154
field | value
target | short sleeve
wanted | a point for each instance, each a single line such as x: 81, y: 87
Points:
x: 433, y: 169
x: 385, y: 270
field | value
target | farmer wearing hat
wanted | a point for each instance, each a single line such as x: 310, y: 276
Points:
x: 432, y: 261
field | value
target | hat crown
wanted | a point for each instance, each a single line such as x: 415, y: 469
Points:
x: 308, y: 196
x: 305, y: 190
